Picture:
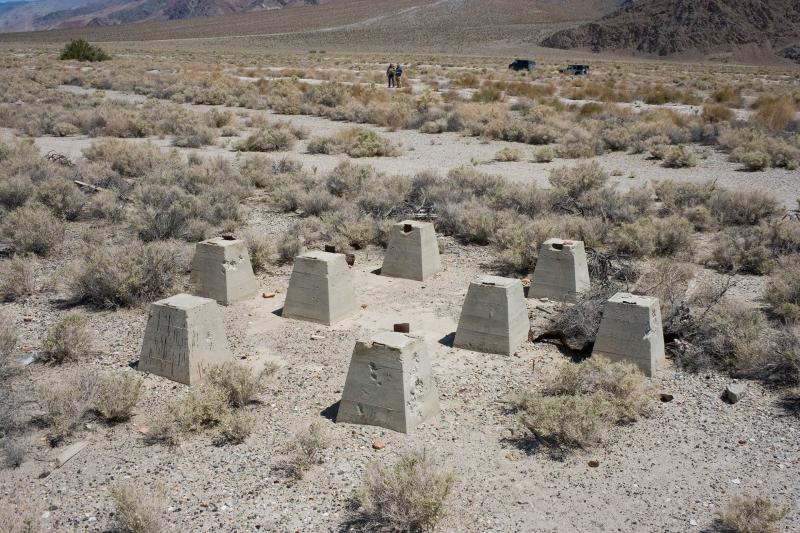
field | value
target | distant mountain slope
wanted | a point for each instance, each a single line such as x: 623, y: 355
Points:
x: 50, y: 14
x: 667, y: 27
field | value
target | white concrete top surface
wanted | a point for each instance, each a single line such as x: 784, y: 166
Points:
x: 633, y: 299
x: 184, y: 301
x: 496, y: 281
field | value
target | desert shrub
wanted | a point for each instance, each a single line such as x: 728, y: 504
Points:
x: 83, y: 51
x: 755, y: 161
x: 234, y: 427
x: 128, y: 160
x: 716, y: 113
x: 783, y: 291
x: 16, y: 279
x: 355, y: 142
x: 62, y: 197
x: 508, y: 154
x: 65, y: 403
x: 742, y: 207
x: 750, y: 514
x: 15, y: 190
x: 679, y: 157
x: 117, y: 395
x: 742, y: 250
x: 544, y: 154
x: 577, y: 325
x: 33, y: 229
x: 239, y: 381
x: 21, y: 520
x: 137, y: 511
x: 8, y: 343
x: 217, y: 118
x: 774, y: 113
x: 67, y: 340
x: 574, y: 181
x: 303, y: 451
x: 268, y: 140
x: 659, y: 236
x: 105, y: 205
x: 109, y: 277
x: 407, y: 496
x: 667, y: 280
x: 14, y: 451
x: 580, y: 404
x: 261, y: 250
x: 580, y: 144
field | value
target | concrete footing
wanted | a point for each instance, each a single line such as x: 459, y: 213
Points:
x: 389, y: 383
x: 320, y: 289
x: 413, y: 252
x: 184, y: 335
x: 631, y: 331
x: 494, y: 318
x: 221, y: 270
x: 561, y: 271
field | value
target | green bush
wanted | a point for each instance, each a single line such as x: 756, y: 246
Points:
x: 83, y: 51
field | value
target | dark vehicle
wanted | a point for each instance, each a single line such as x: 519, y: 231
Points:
x: 576, y: 70
x: 522, y: 64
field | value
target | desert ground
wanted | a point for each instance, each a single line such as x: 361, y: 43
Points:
x: 683, y: 181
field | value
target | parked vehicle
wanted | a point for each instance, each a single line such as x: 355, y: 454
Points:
x: 576, y: 70
x: 523, y: 64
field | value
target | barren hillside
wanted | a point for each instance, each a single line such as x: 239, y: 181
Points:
x: 667, y: 27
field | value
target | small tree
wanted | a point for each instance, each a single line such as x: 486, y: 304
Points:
x: 83, y: 51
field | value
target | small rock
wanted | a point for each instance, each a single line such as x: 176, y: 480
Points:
x: 693, y: 522
x: 594, y: 463
x: 27, y: 319
x: 317, y: 337
x: 378, y: 445
x: 144, y: 430
x: 734, y: 392
x: 364, y: 306
x: 664, y: 397
x: 27, y: 349
x: 268, y: 295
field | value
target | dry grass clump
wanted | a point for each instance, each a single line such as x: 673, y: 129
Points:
x: 407, y: 496
x: 653, y: 236
x: 679, y: 157
x: 109, y: 277
x: 544, y: 154
x: 67, y: 340
x: 355, y: 142
x: 304, y: 451
x: 117, y: 395
x: 580, y: 404
x: 261, y: 250
x: 748, y: 513
x: 15, y: 191
x: 16, y: 279
x: 8, y: 344
x: 743, y: 250
x: 717, y: 113
x: 136, y: 511
x: 33, y: 228
x: 774, y: 113
x: 508, y: 154
x: 62, y: 197
x: 240, y: 382
x: 24, y: 520
x: 65, y: 403
x: 272, y: 139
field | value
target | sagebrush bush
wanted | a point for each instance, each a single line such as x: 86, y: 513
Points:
x: 783, y: 290
x: 774, y: 113
x: 679, y: 157
x: 238, y: 380
x: 8, y: 343
x: 67, y: 340
x: 234, y: 427
x: 33, y: 228
x: 407, y: 496
x: 742, y: 250
x: 15, y: 190
x: 508, y: 154
x: 65, y: 402
x: 109, y: 277
x: 355, y: 142
x: 268, y: 140
x: 747, y: 513
x: 83, y: 51
x: 63, y: 197
x: 117, y: 395
x: 544, y: 154
x: 754, y: 161
x: 261, y: 250
x: 137, y: 511
x: 16, y: 279
x: 579, y: 405
x: 303, y: 451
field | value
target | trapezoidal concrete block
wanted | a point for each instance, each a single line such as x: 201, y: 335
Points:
x: 561, y: 271
x: 413, y: 252
x: 389, y: 383
x: 494, y: 318
x: 221, y: 270
x: 320, y: 289
x: 630, y: 331
x: 185, y: 334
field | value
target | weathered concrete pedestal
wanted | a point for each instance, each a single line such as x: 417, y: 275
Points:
x: 389, y: 383
x: 185, y: 334
x: 320, y: 289
x: 631, y: 332
x: 561, y: 271
x: 494, y: 318
x: 221, y: 270
x: 413, y: 252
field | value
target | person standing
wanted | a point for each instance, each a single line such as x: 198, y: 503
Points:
x: 398, y: 73
x: 390, y: 74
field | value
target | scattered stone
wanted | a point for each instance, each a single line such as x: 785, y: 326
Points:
x: 378, y: 444
x: 594, y: 463
x: 69, y: 452
x: 27, y: 319
x: 734, y: 392
x: 665, y: 397
x: 144, y: 430
x: 268, y: 295
x: 317, y: 337
x: 27, y: 349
